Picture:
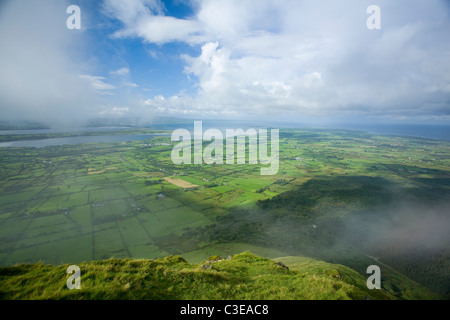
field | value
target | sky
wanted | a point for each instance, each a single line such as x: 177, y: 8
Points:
x: 287, y: 60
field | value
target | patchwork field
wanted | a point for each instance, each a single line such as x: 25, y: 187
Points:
x: 74, y: 203
x: 69, y: 204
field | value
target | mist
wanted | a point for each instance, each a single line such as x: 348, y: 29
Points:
x: 402, y: 228
x: 40, y: 75
x: 355, y: 221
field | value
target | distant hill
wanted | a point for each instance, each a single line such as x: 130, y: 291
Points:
x: 240, y: 277
x: 22, y: 125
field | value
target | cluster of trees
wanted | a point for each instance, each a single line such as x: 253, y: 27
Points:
x: 152, y: 182
x: 429, y: 267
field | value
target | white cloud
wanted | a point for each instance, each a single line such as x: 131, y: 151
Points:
x: 97, y: 83
x: 114, y: 111
x: 145, y: 19
x: 162, y: 29
x: 305, y: 58
x: 153, y: 54
x: 121, y: 72
x: 120, y: 111
x: 292, y: 58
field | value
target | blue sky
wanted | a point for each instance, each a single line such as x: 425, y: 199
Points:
x: 226, y: 59
x: 156, y: 67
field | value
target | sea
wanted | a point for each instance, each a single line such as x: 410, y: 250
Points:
x: 435, y: 132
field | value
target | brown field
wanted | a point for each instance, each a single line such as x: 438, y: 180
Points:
x: 180, y: 183
x: 94, y: 171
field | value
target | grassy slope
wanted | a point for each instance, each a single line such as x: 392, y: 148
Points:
x: 245, y: 276
x: 394, y: 284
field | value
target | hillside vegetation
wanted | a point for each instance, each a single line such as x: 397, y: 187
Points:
x: 243, y: 276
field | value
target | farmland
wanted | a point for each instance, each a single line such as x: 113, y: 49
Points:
x: 74, y: 203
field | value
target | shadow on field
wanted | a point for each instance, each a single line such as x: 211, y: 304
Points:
x: 350, y: 220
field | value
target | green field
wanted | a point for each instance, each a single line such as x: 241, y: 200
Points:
x: 75, y: 203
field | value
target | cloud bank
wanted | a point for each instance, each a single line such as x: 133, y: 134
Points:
x: 241, y: 59
x: 303, y: 58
